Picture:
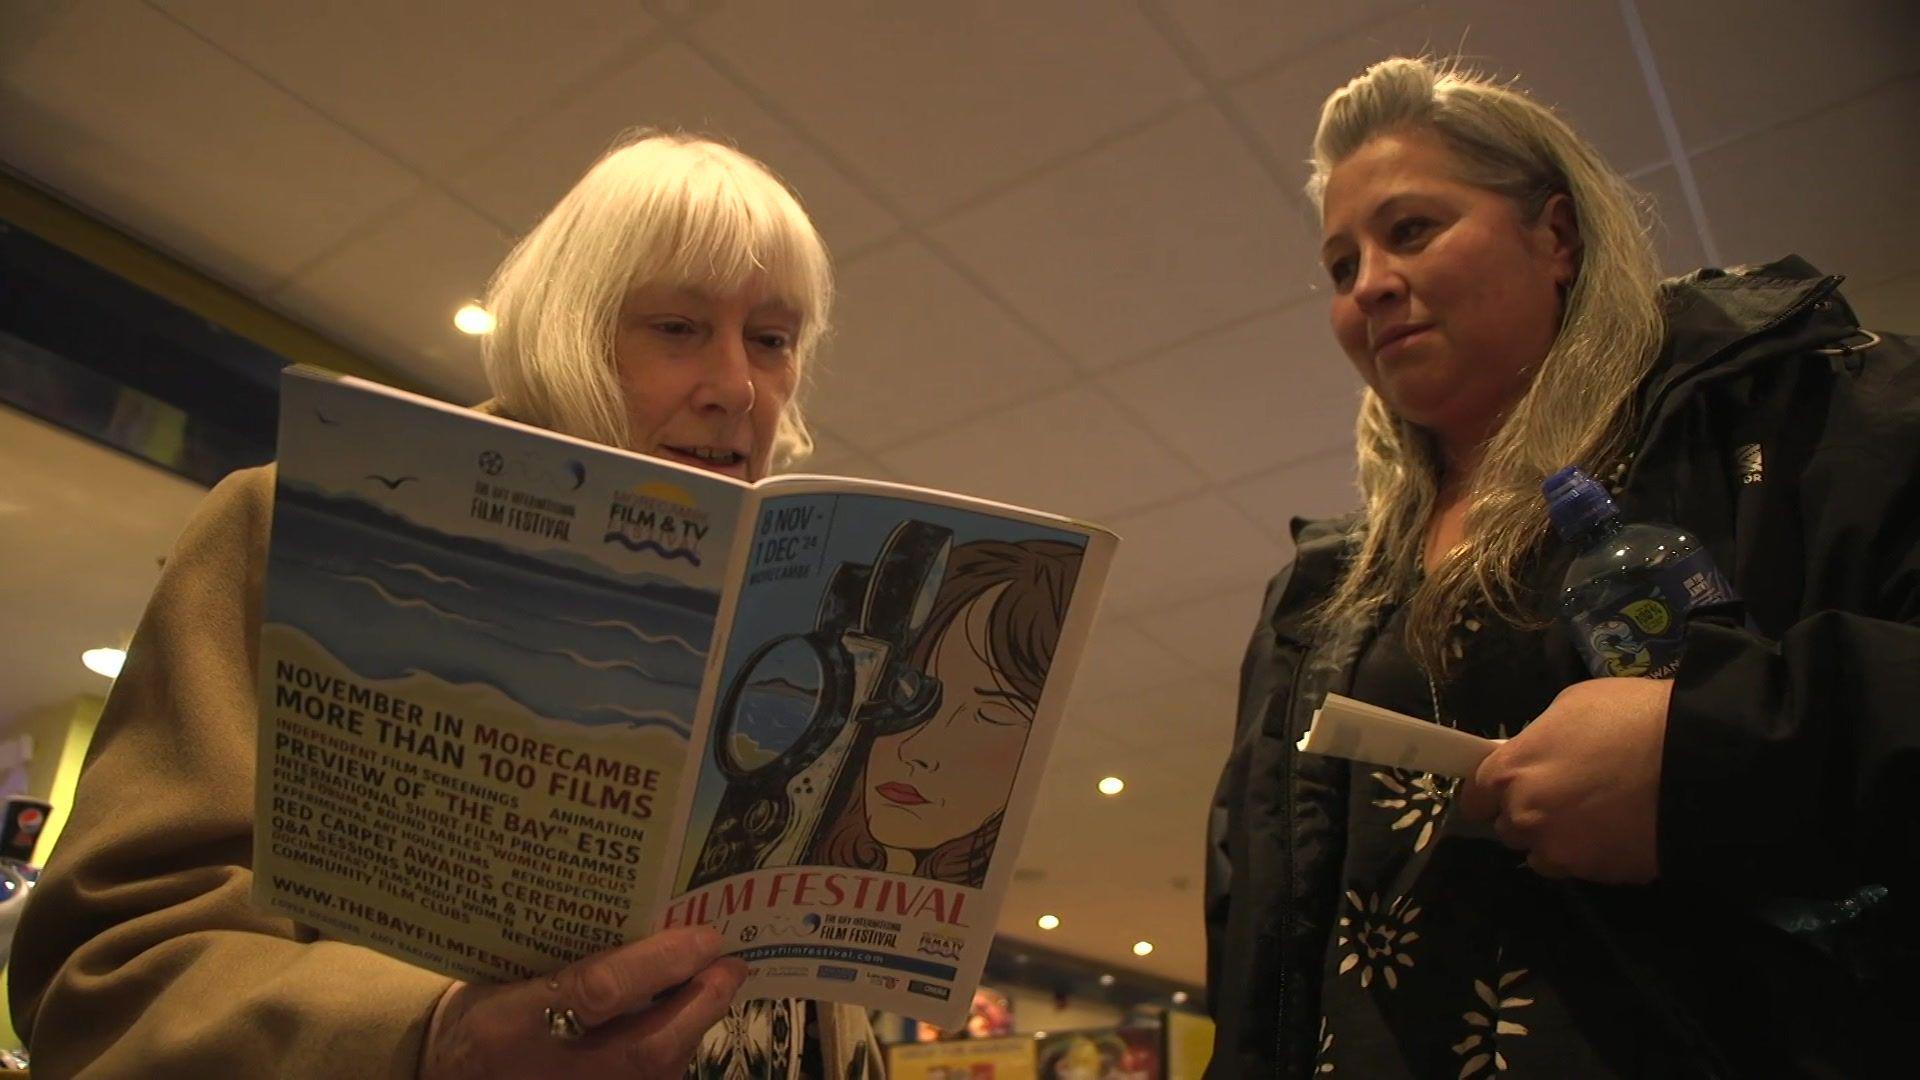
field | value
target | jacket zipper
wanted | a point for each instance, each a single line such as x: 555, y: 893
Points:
x: 1288, y: 914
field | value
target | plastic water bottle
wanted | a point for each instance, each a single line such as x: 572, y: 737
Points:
x: 1631, y: 585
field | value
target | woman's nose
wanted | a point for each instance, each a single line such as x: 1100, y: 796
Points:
x: 1378, y: 281
x: 727, y: 383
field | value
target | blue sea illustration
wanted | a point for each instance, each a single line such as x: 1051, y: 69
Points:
x: 390, y: 598
x: 653, y: 547
x: 772, y: 713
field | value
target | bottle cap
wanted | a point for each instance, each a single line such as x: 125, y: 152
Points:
x: 1576, y: 502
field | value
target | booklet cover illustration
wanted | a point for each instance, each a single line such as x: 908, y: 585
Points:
x: 525, y: 697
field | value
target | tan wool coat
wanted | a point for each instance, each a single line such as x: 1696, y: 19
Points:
x: 139, y: 953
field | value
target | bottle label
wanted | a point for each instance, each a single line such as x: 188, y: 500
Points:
x: 1639, y: 630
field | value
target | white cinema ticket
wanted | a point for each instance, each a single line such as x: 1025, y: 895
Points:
x: 1343, y: 727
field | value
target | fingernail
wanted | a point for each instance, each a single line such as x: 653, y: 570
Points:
x: 710, y: 939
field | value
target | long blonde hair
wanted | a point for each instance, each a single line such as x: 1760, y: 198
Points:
x: 659, y: 209
x: 1578, y: 409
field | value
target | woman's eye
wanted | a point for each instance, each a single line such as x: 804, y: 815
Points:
x: 1408, y: 230
x: 673, y: 327
x: 775, y: 340
x: 1340, y: 270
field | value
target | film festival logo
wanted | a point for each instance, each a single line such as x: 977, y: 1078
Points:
x: 516, y: 494
x: 855, y: 930
x: 940, y: 945
x: 658, y: 518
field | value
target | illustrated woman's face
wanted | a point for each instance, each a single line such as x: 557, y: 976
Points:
x: 945, y: 778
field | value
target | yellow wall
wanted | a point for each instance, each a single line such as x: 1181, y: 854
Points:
x: 60, y: 739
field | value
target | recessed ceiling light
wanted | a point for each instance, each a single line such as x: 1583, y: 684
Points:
x: 1179, y: 997
x: 1142, y: 948
x: 473, y: 319
x: 104, y: 661
x: 1048, y: 922
x: 1106, y: 980
x: 1112, y: 785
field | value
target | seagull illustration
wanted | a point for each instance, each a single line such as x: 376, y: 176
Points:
x: 393, y: 484
x: 325, y: 419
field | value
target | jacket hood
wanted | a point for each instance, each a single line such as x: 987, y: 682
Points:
x: 1712, y: 314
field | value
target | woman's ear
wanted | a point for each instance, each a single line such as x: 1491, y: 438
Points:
x: 1558, y: 234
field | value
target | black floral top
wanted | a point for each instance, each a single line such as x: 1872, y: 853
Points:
x: 1448, y: 957
x: 780, y: 1039
x: 759, y: 1039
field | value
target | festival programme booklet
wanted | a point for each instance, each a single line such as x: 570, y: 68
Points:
x: 525, y: 697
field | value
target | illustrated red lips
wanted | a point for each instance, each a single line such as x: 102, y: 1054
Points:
x: 904, y: 794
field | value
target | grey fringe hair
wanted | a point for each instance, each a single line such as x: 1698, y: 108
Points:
x: 658, y: 209
x: 1578, y: 409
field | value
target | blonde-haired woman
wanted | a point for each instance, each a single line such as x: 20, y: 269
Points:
x: 670, y: 303
x: 1674, y: 860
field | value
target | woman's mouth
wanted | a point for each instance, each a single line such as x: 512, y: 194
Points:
x: 1398, y: 336
x: 711, y: 458
x: 903, y: 794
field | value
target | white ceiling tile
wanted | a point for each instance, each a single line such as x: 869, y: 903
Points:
x: 1198, y: 547
x: 1319, y: 487
x: 120, y: 110
x: 1111, y: 892
x: 1571, y: 54
x: 1890, y: 305
x: 1248, y: 398
x: 834, y: 456
x: 1145, y: 812
x: 1176, y: 775
x: 394, y: 290
x: 917, y: 348
x: 1143, y: 243
x: 669, y: 87
x: 1211, y: 632
x: 464, y: 73
x: 937, y: 102
x: 1120, y: 659
x: 1674, y: 235
x: 1836, y: 188
x: 1079, y: 745
x: 1187, y: 723
x: 1236, y: 36
x: 1071, y: 453
x: 1114, y: 877
x: 1732, y: 68
x: 1077, y: 840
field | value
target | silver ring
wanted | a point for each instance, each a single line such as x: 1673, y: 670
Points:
x: 565, y: 1025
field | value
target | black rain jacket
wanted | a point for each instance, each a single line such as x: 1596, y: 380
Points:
x: 1783, y: 937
